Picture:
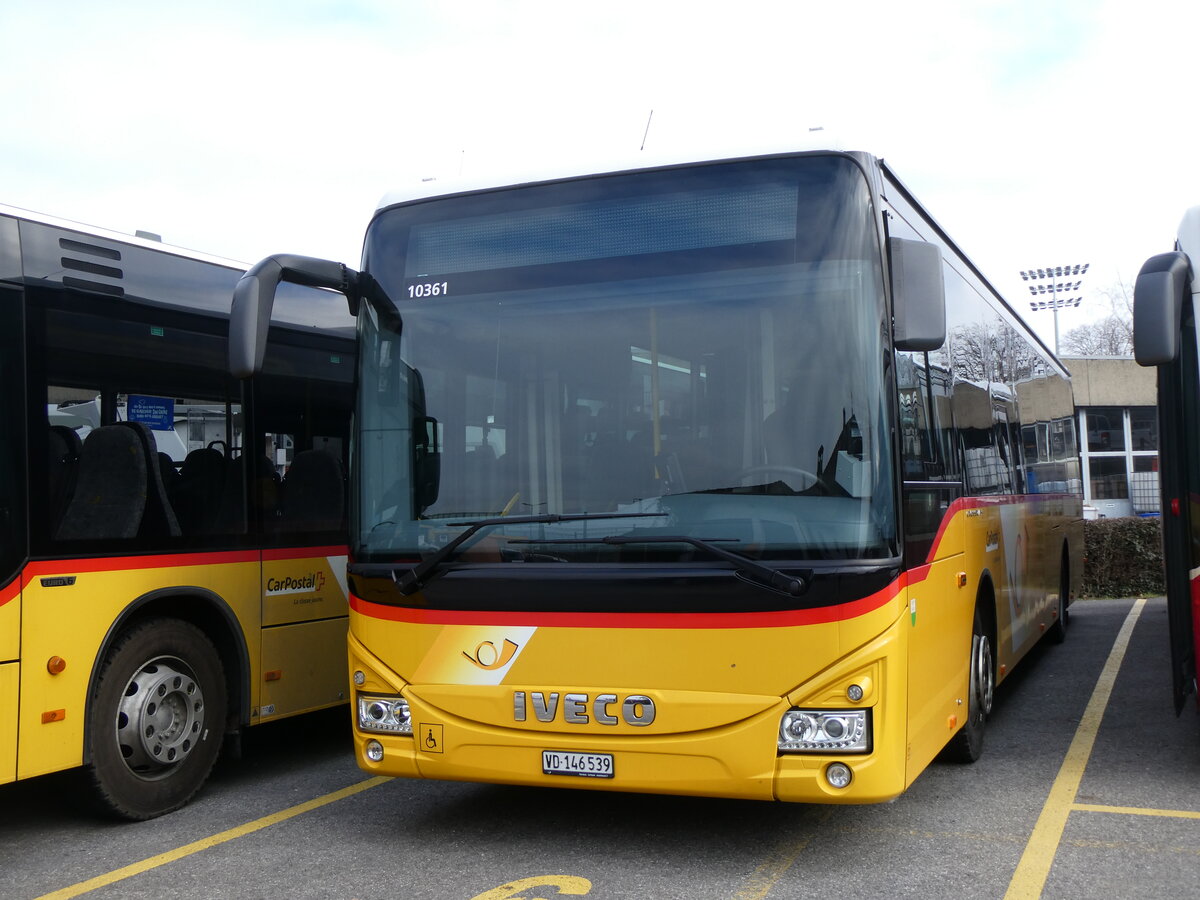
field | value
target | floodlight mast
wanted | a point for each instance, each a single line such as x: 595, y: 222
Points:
x: 1053, y: 289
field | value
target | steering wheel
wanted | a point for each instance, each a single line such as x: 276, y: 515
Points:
x: 782, y: 471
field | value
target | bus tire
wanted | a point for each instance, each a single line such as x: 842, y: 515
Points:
x: 1058, y: 630
x: 967, y: 744
x: 156, y: 719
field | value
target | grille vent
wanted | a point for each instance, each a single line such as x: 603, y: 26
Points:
x: 91, y: 266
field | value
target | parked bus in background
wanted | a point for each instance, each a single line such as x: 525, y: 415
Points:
x: 172, y: 541
x: 1164, y: 335
x: 729, y: 478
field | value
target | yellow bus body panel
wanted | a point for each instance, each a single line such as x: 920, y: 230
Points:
x: 72, y: 621
x: 300, y: 672
x: 303, y: 589
x: 719, y: 692
x: 304, y: 607
x: 10, y: 621
x: 10, y: 674
x: 719, y: 695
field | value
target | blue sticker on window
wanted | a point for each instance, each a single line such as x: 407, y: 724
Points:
x: 157, y: 413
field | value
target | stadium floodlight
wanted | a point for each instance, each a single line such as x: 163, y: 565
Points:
x: 1059, y: 278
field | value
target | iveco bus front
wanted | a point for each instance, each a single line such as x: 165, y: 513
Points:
x: 627, y: 488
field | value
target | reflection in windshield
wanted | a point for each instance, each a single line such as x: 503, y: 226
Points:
x: 729, y: 380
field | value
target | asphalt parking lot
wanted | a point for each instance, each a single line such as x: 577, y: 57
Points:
x: 1089, y: 787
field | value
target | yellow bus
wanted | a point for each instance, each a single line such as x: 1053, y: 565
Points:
x: 730, y: 478
x: 172, y: 542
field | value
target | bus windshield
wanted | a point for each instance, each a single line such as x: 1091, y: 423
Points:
x: 699, y: 351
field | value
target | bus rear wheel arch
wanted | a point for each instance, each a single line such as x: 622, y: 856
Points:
x: 156, y: 718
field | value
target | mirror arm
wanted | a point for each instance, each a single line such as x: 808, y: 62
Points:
x: 254, y: 298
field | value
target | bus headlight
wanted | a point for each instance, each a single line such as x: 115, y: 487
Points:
x: 825, y: 730
x: 387, y: 715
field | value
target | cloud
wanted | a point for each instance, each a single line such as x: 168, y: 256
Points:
x: 1035, y: 133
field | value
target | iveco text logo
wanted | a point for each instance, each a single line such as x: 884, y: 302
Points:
x: 635, y: 709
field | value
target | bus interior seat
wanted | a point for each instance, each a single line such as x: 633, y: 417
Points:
x: 483, y: 484
x: 111, y: 493
x: 314, y: 493
x: 266, y: 489
x: 159, y: 517
x: 620, y: 461
x: 199, y: 489
x: 170, y: 474
x: 64, y: 449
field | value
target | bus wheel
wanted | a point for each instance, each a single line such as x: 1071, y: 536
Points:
x: 967, y: 745
x: 156, y: 719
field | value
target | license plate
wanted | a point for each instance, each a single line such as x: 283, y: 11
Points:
x: 585, y: 765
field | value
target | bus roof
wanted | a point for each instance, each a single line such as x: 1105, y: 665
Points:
x: 108, y: 234
x: 583, y: 168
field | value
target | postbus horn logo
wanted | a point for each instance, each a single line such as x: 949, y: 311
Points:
x: 488, y: 657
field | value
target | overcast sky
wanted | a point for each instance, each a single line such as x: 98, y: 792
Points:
x: 1038, y: 132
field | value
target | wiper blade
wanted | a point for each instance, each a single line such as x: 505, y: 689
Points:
x: 412, y: 580
x: 751, y: 570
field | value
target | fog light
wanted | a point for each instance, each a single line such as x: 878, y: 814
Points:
x: 838, y: 775
x: 374, y: 751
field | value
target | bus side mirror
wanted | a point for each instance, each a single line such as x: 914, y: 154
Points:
x: 1159, y: 293
x: 918, y: 295
x: 254, y: 297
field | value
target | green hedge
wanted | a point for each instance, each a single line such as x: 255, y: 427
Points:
x: 1124, y: 558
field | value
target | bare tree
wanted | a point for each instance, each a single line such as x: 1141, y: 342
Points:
x: 1110, y: 336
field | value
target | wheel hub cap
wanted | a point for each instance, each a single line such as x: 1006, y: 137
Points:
x: 160, y: 718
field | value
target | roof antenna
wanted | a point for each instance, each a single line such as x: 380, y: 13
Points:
x: 647, y: 131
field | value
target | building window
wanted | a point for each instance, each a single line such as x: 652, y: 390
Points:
x: 1121, y: 459
x: 1105, y: 429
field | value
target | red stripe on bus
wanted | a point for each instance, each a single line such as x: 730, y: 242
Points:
x: 121, y: 563
x: 172, y: 560
x: 10, y: 591
x: 772, y: 619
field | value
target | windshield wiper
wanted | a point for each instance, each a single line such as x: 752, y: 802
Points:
x: 751, y: 570
x: 412, y: 580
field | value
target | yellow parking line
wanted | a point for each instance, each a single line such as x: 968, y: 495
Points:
x: 204, y: 843
x: 1034, y: 867
x: 760, y: 882
x: 1137, y: 811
